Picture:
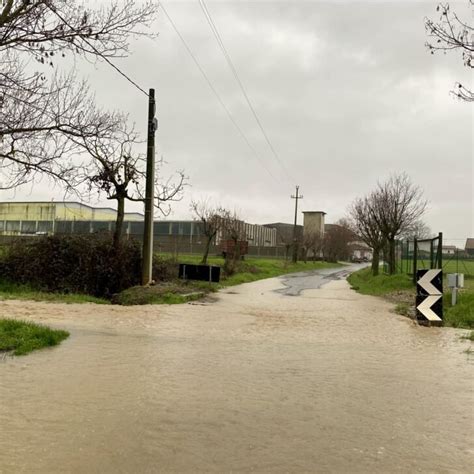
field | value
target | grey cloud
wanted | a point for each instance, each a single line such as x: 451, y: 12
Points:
x: 346, y: 91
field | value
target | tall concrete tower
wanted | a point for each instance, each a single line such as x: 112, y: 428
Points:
x: 313, y: 222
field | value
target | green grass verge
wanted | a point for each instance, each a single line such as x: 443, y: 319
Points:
x: 449, y: 265
x: 21, y: 337
x: 179, y: 291
x: 253, y: 269
x: 381, y: 285
x: 461, y: 315
x: 14, y: 291
x: 400, y: 289
x: 174, y: 292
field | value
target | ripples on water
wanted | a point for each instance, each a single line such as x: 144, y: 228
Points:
x: 258, y: 381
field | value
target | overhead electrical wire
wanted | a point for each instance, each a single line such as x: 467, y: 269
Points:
x: 213, y: 89
x: 105, y: 58
x: 137, y: 86
x: 230, y: 63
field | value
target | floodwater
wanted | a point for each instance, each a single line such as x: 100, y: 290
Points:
x: 257, y: 381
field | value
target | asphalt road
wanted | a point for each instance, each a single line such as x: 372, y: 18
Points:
x: 295, y: 283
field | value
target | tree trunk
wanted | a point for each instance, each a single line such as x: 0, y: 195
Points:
x: 236, y: 255
x: 391, y: 257
x: 206, y: 250
x: 119, y: 221
x: 375, y: 262
x: 295, y: 252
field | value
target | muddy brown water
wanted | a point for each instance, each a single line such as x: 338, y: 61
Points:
x: 258, y: 381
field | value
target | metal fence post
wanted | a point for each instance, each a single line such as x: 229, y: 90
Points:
x: 415, y: 258
x: 440, y: 250
x: 407, y: 256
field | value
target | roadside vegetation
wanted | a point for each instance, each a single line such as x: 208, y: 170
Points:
x: 17, y: 291
x: 21, y: 337
x: 92, y: 269
x: 252, y: 269
x: 399, y: 288
x: 175, y: 291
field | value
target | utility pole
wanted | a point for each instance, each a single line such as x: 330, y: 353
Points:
x: 295, y: 239
x: 149, y: 192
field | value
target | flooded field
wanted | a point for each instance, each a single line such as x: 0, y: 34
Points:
x: 327, y: 381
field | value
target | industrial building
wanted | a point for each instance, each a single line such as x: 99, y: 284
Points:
x: 38, y: 218
x: 313, y: 222
x: 50, y: 217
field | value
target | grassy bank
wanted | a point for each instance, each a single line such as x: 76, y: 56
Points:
x: 171, y: 291
x: 400, y: 289
x: 253, y: 269
x: 14, y: 291
x: 450, y: 265
x: 20, y: 337
x: 179, y: 291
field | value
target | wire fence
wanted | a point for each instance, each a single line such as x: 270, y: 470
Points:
x: 426, y: 252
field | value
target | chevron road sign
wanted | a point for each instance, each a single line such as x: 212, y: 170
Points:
x: 429, y: 296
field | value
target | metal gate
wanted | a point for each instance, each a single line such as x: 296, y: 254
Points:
x: 427, y: 254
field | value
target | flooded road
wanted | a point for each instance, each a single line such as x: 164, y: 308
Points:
x: 272, y: 377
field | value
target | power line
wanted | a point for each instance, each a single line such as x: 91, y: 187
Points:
x: 105, y: 58
x: 215, y: 31
x: 213, y: 89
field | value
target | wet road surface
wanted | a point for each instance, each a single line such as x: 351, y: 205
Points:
x: 258, y: 381
x: 295, y: 283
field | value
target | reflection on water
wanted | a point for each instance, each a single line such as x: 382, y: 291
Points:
x: 259, y: 381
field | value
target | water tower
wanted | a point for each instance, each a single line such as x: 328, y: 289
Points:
x: 313, y: 222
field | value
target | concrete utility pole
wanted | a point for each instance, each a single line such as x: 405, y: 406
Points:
x: 149, y: 192
x: 295, y: 239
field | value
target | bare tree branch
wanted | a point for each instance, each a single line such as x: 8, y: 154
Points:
x: 119, y: 172
x: 448, y: 33
x: 39, y: 114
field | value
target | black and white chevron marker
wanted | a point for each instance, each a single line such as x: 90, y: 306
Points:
x: 429, y: 296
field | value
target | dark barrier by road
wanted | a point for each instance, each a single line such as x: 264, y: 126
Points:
x: 199, y: 272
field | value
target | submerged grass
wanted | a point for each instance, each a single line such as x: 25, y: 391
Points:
x: 469, y: 337
x: 21, y: 337
x: 15, y: 291
x: 166, y: 293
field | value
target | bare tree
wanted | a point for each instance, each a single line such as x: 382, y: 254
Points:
x: 234, y: 231
x: 311, y: 242
x: 38, y: 113
x: 400, y: 204
x: 336, y: 242
x: 363, y: 216
x: 448, y: 33
x: 118, y: 171
x: 211, y: 219
x: 418, y: 230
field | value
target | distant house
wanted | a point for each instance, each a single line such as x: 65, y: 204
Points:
x: 360, y: 250
x: 469, y: 246
x: 449, y: 249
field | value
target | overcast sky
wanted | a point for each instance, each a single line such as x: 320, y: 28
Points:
x: 346, y: 91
